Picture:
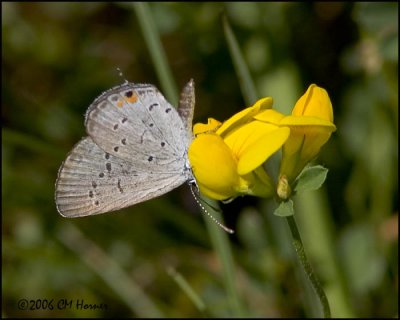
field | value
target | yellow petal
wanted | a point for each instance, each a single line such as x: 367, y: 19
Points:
x: 253, y: 143
x: 302, y: 146
x: 216, y: 195
x: 291, y: 162
x: 313, y: 141
x: 213, y: 166
x: 245, y: 115
x: 315, y: 103
x: 304, y: 121
x: 211, y: 126
x: 258, y: 152
x: 270, y: 116
x: 311, y: 125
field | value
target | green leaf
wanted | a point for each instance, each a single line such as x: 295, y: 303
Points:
x: 311, y: 178
x: 285, y: 209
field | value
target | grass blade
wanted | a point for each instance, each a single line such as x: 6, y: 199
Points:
x: 156, y: 50
x: 246, y: 83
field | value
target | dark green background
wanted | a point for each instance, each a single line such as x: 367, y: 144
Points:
x: 57, y: 57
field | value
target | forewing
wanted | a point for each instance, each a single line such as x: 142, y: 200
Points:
x: 92, y: 181
x: 135, y: 121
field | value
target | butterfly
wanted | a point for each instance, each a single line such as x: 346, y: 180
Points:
x: 136, y: 150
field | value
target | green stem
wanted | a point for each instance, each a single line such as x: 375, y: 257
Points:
x: 220, y: 241
x: 298, y: 246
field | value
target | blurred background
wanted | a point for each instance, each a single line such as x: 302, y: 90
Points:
x: 57, y: 57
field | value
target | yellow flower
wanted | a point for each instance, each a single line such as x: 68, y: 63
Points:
x: 226, y: 158
x: 311, y: 125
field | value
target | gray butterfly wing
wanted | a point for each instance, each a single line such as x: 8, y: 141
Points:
x: 134, y: 122
x: 92, y: 181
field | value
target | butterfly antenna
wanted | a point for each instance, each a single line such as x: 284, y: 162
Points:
x: 205, y: 211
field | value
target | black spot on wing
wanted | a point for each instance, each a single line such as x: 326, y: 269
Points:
x: 119, y: 186
x: 152, y: 106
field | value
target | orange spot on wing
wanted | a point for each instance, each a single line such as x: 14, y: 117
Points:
x: 120, y: 103
x: 132, y: 99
